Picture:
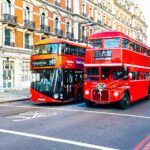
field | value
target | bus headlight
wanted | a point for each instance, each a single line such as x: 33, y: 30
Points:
x: 116, y: 94
x: 87, y: 92
x: 55, y: 96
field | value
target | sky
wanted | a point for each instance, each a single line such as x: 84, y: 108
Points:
x: 144, y: 5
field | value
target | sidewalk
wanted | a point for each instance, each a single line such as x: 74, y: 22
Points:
x: 15, y: 95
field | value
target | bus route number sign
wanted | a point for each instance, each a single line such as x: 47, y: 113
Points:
x: 44, y: 62
x: 103, y: 55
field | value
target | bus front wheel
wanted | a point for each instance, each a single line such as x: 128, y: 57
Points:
x: 88, y: 103
x: 125, y: 102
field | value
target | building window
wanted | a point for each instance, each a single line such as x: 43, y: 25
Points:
x: 91, y: 31
x: 104, y: 17
x: 43, y: 19
x: 68, y: 3
x: 25, y: 71
x: 83, y: 9
x: 27, y: 41
x: 27, y: 13
x: 57, y: 30
x: 7, y: 7
x: 109, y: 5
x: 83, y: 31
x: 67, y: 27
x: 57, y: 2
x: 109, y: 22
x: 91, y: 13
x: 56, y: 23
x: 7, y: 37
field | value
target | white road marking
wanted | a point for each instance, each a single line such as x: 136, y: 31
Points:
x: 73, y: 106
x: 31, y: 115
x: 56, y: 140
x: 84, y: 111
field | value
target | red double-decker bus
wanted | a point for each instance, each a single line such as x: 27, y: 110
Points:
x: 117, y: 69
x: 57, y: 71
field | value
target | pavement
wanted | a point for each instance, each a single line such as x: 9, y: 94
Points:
x: 14, y: 95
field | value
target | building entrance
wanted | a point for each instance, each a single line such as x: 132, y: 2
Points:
x: 8, y: 74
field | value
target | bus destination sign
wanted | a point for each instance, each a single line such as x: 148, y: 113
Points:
x: 44, y: 62
x: 103, y: 55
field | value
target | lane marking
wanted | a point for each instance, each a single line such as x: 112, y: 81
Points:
x: 84, y: 111
x: 73, y: 106
x: 30, y: 115
x: 56, y: 140
x: 144, y: 144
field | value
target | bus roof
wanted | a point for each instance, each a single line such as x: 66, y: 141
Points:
x: 60, y: 40
x: 110, y: 34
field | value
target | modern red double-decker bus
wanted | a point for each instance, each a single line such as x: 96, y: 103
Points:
x: 117, y: 69
x: 57, y: 71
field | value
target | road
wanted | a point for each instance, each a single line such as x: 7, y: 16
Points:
x: 36, y: 126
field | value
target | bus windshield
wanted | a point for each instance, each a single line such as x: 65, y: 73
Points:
x: 112, y: 43
x: 47, y: 49
x: 92, y: 74
x: 47, y: 80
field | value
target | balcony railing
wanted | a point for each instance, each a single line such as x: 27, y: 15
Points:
x: 83, y: 14
x: 69, y: 35
x: 58, y: 32
x: 68, y: 8
x: 28, y: 46
x: 8, y: 43
x: 57, y: 3
x: 29, y: 25
x: 45, y: 29
x: 10, y: 19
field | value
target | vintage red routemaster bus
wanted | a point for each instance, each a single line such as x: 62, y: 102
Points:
x: 57, y: 71
x: 117, y: 69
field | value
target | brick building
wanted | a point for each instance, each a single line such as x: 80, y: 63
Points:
x: 24, y: 22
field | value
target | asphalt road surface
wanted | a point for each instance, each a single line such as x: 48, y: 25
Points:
x: 35, y: 126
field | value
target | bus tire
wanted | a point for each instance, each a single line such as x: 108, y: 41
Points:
x: 79, y: 96
x: 125, y: 102
x: 148, y: 94
x: 88, y: 103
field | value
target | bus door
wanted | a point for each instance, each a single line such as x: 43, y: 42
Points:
x: 68, y: 83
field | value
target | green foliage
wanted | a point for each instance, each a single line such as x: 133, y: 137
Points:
x: 101, y: 86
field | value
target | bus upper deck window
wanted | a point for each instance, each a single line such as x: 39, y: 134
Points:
x: 145, y: 51
x: 148, y: 52
x: 125, y: 43
x: 132, y: 46
x: 138, y: 48
x: 95, y: 43
x: 112, y: 43
x: 52, y: 48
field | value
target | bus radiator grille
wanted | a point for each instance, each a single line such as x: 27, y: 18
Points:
x: 103, y: 98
